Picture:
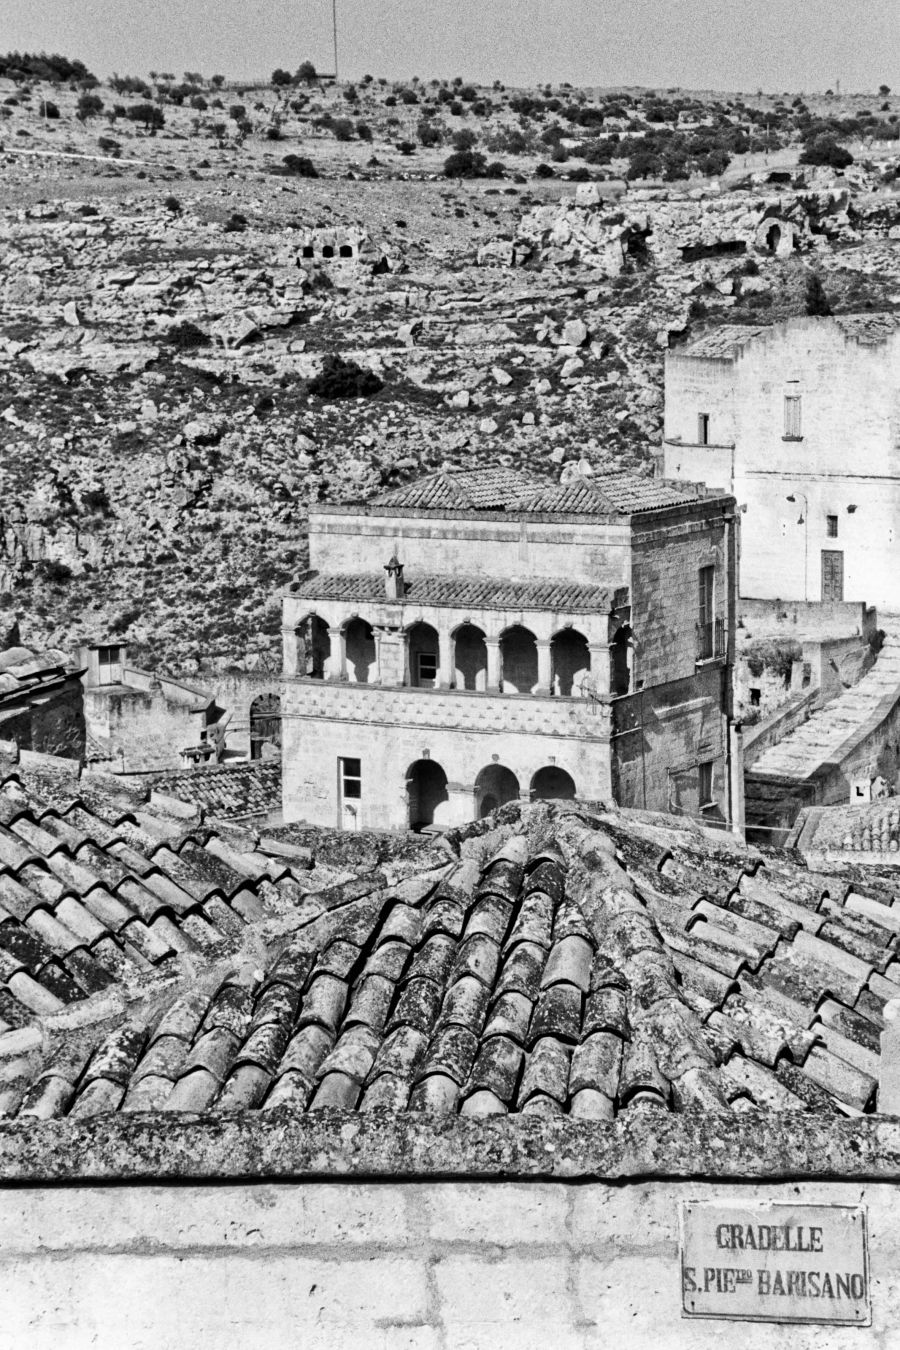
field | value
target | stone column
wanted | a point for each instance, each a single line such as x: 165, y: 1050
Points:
x: 291, y: 652
x: 337, y: 657
x: 493, y: 664
x: 601, y: 656
x: 445, y: 659
x: 545, y: 667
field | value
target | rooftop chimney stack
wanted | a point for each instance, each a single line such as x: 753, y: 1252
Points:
x: 394, y: 579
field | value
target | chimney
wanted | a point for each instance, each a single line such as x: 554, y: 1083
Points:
x: 394, y: 580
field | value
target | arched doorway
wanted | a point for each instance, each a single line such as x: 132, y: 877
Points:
x: 313, y: 647
x: 570, y: 660
x: 518, y: 661
x: 552, y: 784
x: 359, y: 643
x: 426, y: 786
x: 495, y: 786
x: 423, y: 646
x: 265, y: 727
x: 470, y: 658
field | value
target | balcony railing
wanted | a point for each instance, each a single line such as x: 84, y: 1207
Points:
x: 710, y: 640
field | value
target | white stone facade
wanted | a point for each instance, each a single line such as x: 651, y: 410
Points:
x: 809, y: 410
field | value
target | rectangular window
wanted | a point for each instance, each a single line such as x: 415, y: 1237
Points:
x: 703, y: 428
x: 831, y: 527
x: 427, y: 669
x: 755, y: 697
x: 705, y: 784
x: 793, y: 428
x: 706, y: 619
x: 108, y: 665
x: 351, y: 779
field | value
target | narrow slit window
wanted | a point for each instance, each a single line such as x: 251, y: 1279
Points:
x: 705, y: 784
x: 831, y: 527
x: 793, y: 426
x: 703, y: 428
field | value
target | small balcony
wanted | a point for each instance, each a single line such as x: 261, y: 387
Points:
x: 710, y: 640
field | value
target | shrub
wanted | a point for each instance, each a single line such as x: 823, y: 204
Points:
x: 496, y: 169
x: 344, y: 379
x: 364, y: 131
x: 544, y: 171
x: 406, y: 147
x: 301, y: 165
x: 237, y: 112
x: 89, y: 105
x: 199, y: 103
x: 350, y: 93
x: 186, y: 335
x: 173, y: 205
x: 281, y: 77
x: 826, y: 149
x: 217, y: 81
x: 430, y: 134
x: 109, y: 146
x: 465, y: 164
x: 56, y: 573
x: 342, y: 129
x: 465, y: 139
x: 408, y: 96
x: 816, y: 300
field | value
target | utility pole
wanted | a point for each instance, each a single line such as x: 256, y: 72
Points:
x: 334, y: 28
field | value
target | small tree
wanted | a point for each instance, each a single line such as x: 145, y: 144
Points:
x: 465, y: 139
x: 306, y: 73
x: 217, y: 81
x: 280, y: 78
x: 465, y: 164
x: 149, y: 114
x: 816, y: 299
x: 237, y: 112
x: 827, y: 150
x: 89, y: 105
x: 884, y: 90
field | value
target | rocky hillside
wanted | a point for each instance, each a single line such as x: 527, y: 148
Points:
x: 173, y: 310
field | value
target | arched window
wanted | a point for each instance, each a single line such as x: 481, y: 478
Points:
x: 570, y: 661
x: 426, y: 786
x: 552, y: 784
x: 308, y: 251
x: 265, y: 727
x: 518, y: 661
x: 470, y: 658
x: 424, y: 655
x: 495, y: 786
x: 313, y: 647
x: 359, y: 643
x: 327, y: 251
x: 345, y: 251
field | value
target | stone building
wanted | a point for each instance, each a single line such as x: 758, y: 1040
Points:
x: 484, y: 636
x: 491, y: 1092
x: 144, y: 720
x: 800, y: 422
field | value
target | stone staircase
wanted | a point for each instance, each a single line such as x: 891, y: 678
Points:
x: 821, y: 739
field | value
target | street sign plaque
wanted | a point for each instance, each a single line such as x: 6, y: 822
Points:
x: 775, y: 1263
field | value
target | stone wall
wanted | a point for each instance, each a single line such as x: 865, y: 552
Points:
x: 389, y: 730
x: 593, y: 552
x: 150, y: 726
x: 846, y: 464
x: 394, y: 1266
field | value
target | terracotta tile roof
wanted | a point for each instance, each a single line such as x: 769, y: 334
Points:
x: 563, y: 961
x: 504, y: 490
x: 458, y: 592
x: 227, y: 791
x: 464, y: 490
x: 723, y: 342
x: 869, y: 329
x: 618, y: 493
